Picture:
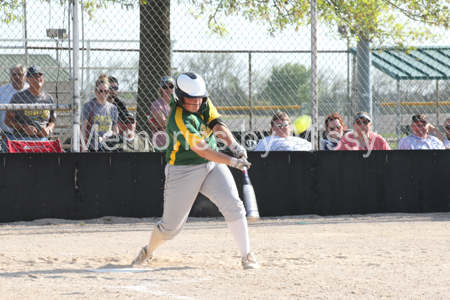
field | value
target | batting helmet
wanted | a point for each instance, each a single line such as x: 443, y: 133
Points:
x: 190, y: 85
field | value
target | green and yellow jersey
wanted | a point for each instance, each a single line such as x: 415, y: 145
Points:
x: 185, y: 129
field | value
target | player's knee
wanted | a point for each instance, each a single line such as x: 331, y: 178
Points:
x: 165, y: 234
x: 233, y: 212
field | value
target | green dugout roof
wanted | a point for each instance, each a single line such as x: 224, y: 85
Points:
x: 53, y: 72
x: 422, y: 63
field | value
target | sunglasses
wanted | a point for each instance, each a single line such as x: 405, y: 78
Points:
x: 114, y: 88
x: 284, y: 124
x: 447, y: 127
x: 335, y: 128
x: 166, y: 87
x: 359, y: 122
x: 102, y: 91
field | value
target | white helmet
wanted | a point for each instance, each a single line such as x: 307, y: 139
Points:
x: 190, y: 85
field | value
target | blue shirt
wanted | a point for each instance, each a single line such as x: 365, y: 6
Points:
x: 413, y: 142
x: 6, y: 93
x: 327, y: 145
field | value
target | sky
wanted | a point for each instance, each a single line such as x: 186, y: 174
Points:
x: 117, y: 27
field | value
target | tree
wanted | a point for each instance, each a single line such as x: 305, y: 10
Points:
x: 383, y: 22
x: 218, y: 70
x: 289, y: 84
x: 154, y: 55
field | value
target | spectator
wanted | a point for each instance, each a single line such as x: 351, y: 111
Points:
x: 36, y: 124
x: 447, y: 133
x: 280, y: 138
x: 334, y: 130
x: 160, y: 111
x: 127, y: 140
x: 420, y: 139
x: 17, y: 76
x: 114, y: 97
x: 361, y: 137
x: 99, y: 117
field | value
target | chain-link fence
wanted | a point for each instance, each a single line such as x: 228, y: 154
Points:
x: 251, y: 74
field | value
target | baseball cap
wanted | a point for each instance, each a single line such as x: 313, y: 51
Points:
x: 34, y: 70
x: 362, y: 115
x: 166, y: 80
x: 126, y: 115
x: 419, y: 118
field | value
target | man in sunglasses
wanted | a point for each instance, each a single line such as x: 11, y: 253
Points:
x: 421, y: 139
x: 127, y: 140
x: 362, y: 137
x: 32, y: 124
x: 280, y: 138
x: 113, y: 95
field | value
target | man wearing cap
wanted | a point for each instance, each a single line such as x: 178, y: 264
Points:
x: 127, y: 140
x: 32, y: 124
x: 160, y: 111
x: 17, y: 76
x: 420, y: 139
x: 361, y: 137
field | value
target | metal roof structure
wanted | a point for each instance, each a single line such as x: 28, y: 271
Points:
x: 53, y: 71
x: 421, y: 63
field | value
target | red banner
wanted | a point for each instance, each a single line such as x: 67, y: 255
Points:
x: 34, y: 146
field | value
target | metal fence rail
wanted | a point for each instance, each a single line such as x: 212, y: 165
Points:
x: 250, y: 75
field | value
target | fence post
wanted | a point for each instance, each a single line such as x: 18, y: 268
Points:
x: 250, y: 104
x: 437, y: 103
x: 76, y: 91
x: 363, y: 62
x: 399, y: 111
x: 314, y: 102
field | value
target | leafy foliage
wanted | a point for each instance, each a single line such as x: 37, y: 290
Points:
x: 12, y: 10
x: 219, y: 72
x: 383, y: 22
x: 289, y: 84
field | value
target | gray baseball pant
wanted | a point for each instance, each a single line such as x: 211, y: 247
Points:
x: 183, y: 183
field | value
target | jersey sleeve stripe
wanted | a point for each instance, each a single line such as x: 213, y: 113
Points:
x: 174, y: 153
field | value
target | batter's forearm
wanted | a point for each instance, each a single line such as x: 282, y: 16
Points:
x: 203, y: 150
x: 223, y: 133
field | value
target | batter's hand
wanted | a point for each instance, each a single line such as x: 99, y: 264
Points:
x: 239, y: 163
x: 238, y: 150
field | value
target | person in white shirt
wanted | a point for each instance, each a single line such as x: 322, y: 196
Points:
x: 421, y: 139
x: 447, y: 133
x: 17, y: 76
x: 280, y: 138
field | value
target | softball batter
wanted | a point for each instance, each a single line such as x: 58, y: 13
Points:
x: 194, y: 165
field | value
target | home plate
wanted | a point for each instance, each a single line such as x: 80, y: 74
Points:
x: 118, y: 270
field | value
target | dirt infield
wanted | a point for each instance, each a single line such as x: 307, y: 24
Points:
x: 396, y: 256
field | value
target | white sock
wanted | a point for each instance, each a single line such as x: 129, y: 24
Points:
x: 239, y: 230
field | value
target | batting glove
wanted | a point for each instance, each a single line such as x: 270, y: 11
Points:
x: 239, y: 163
x: 238, y: 150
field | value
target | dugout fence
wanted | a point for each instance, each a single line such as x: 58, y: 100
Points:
x: 251, y: 74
